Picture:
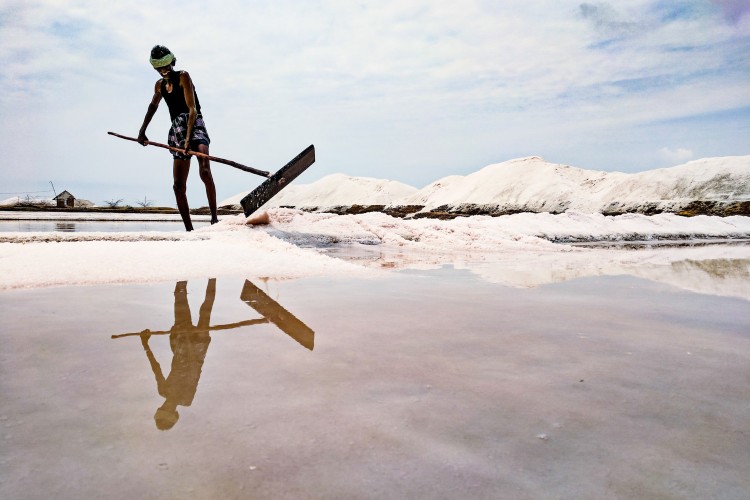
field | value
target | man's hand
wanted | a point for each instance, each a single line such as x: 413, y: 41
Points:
x: 142, y: 139
x: 186, y: 148
x: 145, y: 335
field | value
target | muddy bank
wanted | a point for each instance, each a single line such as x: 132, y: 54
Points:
x: 447, y: 212
x: 444, y: 212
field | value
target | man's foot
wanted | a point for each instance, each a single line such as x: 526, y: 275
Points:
x: 214, y: 220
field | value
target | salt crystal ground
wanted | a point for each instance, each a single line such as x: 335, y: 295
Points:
x: 518, y: 250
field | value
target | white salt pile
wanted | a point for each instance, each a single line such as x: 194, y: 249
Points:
x: 335, y: 190
x: 535, y: 185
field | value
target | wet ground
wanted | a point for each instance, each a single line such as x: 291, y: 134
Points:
x: 422, y: 384
x: 70, y: 226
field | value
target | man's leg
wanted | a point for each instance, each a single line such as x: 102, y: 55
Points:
x: 180, y: 170
x: 183, y: 319
x: 204, y: 320
x: 208, y: 180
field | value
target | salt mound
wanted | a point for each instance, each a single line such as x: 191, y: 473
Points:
x: 723, y: 178
x: 533, y: 184
x: 336, y: 190
x: 17, y: 200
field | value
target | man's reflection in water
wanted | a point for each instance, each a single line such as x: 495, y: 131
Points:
x: 189, y: 345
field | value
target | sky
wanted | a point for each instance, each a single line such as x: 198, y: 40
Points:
x: 407, y: 90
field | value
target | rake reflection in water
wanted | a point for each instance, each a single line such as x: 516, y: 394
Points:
x: 189, y: 343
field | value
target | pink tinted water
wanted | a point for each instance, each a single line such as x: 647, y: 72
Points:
x: 420, y: 385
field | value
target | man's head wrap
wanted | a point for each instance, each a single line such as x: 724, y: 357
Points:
x: 162, y: 61
x: 161, y: 56
x: 165, y: 419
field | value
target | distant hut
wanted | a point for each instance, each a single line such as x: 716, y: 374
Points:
x: 65, y: 199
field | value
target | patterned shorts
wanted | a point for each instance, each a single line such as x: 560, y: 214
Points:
x: 177, y: 133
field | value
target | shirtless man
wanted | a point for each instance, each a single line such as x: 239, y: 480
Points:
x: 177, y: 89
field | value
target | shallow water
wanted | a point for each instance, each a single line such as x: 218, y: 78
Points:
x: 27, y: 226
x: 422, y: 384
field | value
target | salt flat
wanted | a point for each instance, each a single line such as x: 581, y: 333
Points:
x: 520, y: 250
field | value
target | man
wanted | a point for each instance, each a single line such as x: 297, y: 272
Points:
x: 188, y: 130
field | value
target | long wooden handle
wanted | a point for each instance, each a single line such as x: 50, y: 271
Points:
x: 231, y: 163
x: 249, y: 322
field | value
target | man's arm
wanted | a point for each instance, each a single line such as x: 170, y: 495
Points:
x: 160, y: 381
x: 152, y: 107
x: 187, y: 85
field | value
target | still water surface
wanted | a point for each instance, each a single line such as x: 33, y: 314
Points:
x: 94, y: 226
x: 419, y: 385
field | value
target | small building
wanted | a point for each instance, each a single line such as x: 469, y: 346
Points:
x: 65, y: 199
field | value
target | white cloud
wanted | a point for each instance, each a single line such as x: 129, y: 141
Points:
x: 406, y: 89
x: 675, y: 156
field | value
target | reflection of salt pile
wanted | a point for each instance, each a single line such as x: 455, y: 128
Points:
x: 716, y: 186
x: 698, y: 269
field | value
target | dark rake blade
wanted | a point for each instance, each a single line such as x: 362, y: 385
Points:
x: 278, y: 181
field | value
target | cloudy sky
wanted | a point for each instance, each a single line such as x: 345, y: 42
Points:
x: 408, y: 90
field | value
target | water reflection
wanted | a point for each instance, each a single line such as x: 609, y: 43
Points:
x: 716, y: 268
x: 41, y: 226
x: 189, y: 343
x: 65, y: 227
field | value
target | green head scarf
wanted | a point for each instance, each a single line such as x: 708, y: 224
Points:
x: 164, y: 61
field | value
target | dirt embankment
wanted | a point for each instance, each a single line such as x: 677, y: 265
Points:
x: 445, y: 212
